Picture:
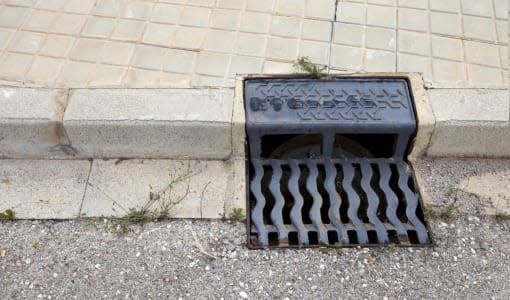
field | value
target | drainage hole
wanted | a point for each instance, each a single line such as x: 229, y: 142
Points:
x: 281, y: 146
x: 364, y: 145
x: 266, y: 179
x: 273, y: 239
x: 393, y: 237
x: 401, y: 208
x: 313, y: 238
x: 324, y: 194
x: 372, y: 237
x: 419, y: 209
x: 344, y: 205
x: 383, y: 203
x: 293, y: 238
x: 419, y: 212
x: 287, y: 196
x: 307, y: 198
x: 356, y: 184
x: 332, y: 237
x: 353, y: 237
x: 413, y: 237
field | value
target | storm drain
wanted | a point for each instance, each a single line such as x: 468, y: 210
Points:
x: 328, y: 163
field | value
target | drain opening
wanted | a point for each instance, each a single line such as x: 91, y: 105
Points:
x: 291, y: 146
x: 268, y: 208
x: 307, y: 198
x: 364, y: 145
x: 374, y: 184
x: 327, y: 164
x: 323, y: 194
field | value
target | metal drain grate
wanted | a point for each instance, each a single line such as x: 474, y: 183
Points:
x: 327, y: 163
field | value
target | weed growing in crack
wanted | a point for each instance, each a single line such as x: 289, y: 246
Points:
x: 501, y: 217
x: 305, y: 65
x: 452, y: 192
x: 159, y: 203
x: 8, y: 214
x: 237, y: 214
x: 430, y: 213
x: 165, y: 198
x: 448, y: 212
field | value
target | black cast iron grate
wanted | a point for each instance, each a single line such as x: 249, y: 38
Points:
x: 327, y: 163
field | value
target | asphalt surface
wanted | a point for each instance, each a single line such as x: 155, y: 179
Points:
x: 98, y: 259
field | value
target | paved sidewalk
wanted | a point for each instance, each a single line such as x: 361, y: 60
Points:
x: 192, y: 43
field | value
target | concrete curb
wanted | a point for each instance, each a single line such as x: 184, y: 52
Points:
x: 470, y: 123
x: 205, y: 126
x: 68, y: 189
x: 209, y: 123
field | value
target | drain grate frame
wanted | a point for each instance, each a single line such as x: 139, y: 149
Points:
x: 342, y: 105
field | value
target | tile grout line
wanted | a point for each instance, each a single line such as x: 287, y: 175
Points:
x: 501, y: 67
x: 136, y: 44
x: 299, y: 37
x: 364, y: 38
x: 35, y: 54
x: 429, y: 31
x: 231, y: 54
x: 11, y: 40
x: 331, y: 35
x: 464, y: 51
x: 396, y: 36
x: 76, y: 38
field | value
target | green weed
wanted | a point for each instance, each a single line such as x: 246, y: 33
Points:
x: 165, y: 199
x: 448, y: 212
x: 7, y: 215
x: 237, y: 214
x: 452, y: 192
x: 501, y: 217
x: 305, y: 65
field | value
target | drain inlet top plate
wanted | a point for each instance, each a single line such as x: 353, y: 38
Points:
x: 327, y: 163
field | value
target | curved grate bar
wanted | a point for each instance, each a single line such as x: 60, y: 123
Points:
x: 277, y: 211
x: 412, y: 203
x: 354, y: 202
x: 257, y: 212
x: 335, y: 200
x: 373, y: 203
x: 391, y: 199
x: 295, y: 212
x: 315, y: 210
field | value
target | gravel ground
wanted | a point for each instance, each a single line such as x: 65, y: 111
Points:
x: 88, y: 260
x: 98, y: 259
x: 444, y: 179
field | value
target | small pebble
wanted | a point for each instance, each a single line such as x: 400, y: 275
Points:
x: 484, y: 245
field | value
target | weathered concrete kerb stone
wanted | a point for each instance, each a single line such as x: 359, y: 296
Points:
x: 31, y: 123
x: 150, y: 123
x: 470, y: 122
x: 43, y: 189
x: 192, y: 189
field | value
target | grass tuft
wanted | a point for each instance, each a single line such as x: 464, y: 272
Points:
x: 305, y: 65
x: 7, y: 215
x: 237, y: 214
